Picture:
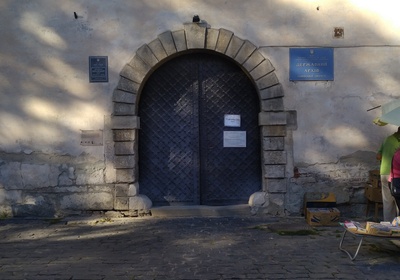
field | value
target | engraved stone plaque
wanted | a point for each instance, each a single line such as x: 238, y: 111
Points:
x: 98, y: 69
x: 91, y: 137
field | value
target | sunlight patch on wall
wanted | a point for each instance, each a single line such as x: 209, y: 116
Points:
x: 387, y: 10
x: 346, y: 136
x: 32, y: 23
x: 65, y: 73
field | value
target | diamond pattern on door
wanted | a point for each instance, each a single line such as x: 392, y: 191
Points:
x: 181, y: 155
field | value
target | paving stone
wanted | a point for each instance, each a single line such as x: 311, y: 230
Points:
x: 185, y: 248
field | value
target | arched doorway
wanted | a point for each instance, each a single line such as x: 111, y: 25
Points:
x: 273, y: 121
x: 186, y: 151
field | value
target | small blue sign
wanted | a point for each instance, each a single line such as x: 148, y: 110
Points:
x: 311, y: 64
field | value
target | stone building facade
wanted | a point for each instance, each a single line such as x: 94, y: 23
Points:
x: 68, y: 145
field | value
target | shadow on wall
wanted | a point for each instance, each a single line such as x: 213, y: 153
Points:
x: 46, y: 98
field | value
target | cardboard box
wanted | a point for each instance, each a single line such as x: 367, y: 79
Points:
x: 372, y: 193
x: 319, y: 200
x: 323, y: 216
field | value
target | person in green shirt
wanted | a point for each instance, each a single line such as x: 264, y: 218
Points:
x: 385, y: 155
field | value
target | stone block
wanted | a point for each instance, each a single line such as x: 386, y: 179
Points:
x: 254, y: 59
x: 125, y: 122
x: 140, y: 202
x: 274, y: 171
x: 272, y: 118
x: 212, y: 37
x: 127, y: 175
x: 274, y: 130
x: 125, y: 161
x: 158, y: 49
x: 195, y: 36
x: 267, y: 81
x: 277, y: 185
x: 124, y: 148
x: 133, y: 189
x: 145, y: 53
x: 121, y: 190
x: 128, y: 86
x: 39, y: 175
x: 124, y: 97
x: 274, y: 157
x: 261, y: 69
x: 270, y: 105
x: 121, y: 203
x: 276, y: 204
x: 136, y: 70
x: 272, y: 92
x: 273, y: 143
x: 234, y: 46
x: 123, y: 109
x: 223, y: 40
x: 10, y: 176
x: 167, y: 41
x: 88, y: 201
x: 92, y: 173
x: 180, y: 40
x: 245, y: 51
x: 124, y: 135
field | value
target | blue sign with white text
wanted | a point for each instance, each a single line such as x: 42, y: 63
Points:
x: 311, y: 64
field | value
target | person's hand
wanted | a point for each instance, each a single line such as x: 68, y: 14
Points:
x: 379, y: 156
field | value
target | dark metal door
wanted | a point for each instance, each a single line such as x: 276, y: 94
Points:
x: 182, y: 158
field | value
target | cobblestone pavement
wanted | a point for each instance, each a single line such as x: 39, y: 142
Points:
x: 186, y: 248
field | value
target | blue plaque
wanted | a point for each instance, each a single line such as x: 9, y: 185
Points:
x: 311, y: 64
x: 98, y: 69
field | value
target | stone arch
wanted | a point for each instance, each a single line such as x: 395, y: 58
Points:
x: 272, y: 117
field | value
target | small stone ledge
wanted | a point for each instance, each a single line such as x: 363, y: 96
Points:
x: 272, y: 118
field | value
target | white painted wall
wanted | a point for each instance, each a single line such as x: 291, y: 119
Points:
x: 46, y: 97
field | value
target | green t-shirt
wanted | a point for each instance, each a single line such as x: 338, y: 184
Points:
x: 388, y: 147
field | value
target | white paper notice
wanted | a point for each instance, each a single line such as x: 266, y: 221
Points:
x: 234, y: 139
x: 232, y: 120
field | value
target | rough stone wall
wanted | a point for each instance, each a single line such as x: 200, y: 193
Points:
x: 48, y: 185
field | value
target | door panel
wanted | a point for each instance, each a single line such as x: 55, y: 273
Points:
x: 181, y: 155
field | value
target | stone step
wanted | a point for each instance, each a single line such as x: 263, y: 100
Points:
x: 201, y: 211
